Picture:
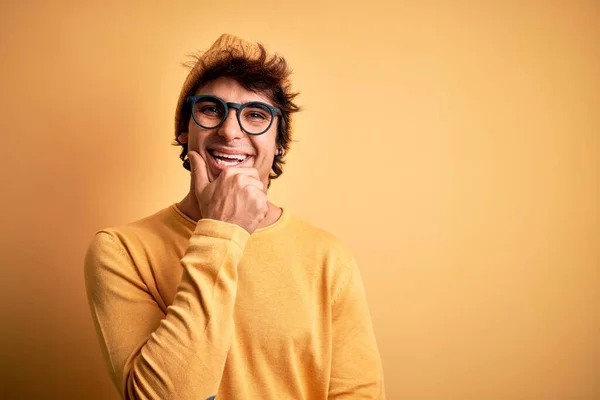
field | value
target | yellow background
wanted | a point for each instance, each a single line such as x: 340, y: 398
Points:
x: 454, y: 145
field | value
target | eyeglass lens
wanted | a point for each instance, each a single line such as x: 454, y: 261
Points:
x: 253, y: 117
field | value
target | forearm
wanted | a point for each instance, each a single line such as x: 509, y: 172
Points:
x: 180, y: 355
x: 185, y: 356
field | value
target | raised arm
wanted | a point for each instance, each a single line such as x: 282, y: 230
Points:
x: 179, y: 355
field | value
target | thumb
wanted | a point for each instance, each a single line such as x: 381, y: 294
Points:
x: 199, y: 171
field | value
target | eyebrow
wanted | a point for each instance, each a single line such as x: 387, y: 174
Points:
x: 269, y: 102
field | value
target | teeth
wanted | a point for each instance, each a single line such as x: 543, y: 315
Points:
x: 226, y: 163
x: 240, y: 157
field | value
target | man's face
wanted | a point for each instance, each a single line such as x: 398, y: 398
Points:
x: 220, y: 146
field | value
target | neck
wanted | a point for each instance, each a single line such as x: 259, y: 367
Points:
x: 189, y: 206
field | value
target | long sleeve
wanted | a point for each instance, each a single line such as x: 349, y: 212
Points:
x: 356, y: 371
x: 180, y: 354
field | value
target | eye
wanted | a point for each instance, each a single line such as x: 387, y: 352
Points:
x: 256, y: 112
x: 256, y: 115
x: 210, y: 110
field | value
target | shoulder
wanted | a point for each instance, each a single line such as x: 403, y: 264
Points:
x: 319, y: 239
x: 127, y: 250
x: 135, y: 240
x: 150, y: 230
x: 323, y: 250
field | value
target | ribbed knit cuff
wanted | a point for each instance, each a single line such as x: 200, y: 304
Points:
x: 222, y: 230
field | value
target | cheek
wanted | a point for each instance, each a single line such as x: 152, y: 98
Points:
x: 266, y: 147
x: 268, y: 142
x: 195, y: 139
x: 192, y: 141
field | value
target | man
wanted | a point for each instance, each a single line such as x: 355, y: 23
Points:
x: 224, y: 293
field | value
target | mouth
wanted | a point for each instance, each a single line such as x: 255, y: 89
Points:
x: 222, y: 160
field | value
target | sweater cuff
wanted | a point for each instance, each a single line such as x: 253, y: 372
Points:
x: 222, y: 230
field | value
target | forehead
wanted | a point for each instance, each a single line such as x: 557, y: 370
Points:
x: 231, y: 91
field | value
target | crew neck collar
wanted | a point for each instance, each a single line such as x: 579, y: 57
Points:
x: 281, y: 221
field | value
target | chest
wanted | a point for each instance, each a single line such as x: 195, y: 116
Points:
x: 282, y: 322
x: 279, y: 303
x: 282, y: 325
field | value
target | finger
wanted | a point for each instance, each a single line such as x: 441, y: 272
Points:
x: 260, y: 200
x: 246, y: 180
x: 199, y: 171
x: 253, y: 172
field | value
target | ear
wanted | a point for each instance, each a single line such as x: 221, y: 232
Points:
x: 183, y: 137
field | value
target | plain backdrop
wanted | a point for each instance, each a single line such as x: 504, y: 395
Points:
x: 454, y: 145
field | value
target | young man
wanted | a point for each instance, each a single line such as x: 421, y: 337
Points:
x: 224, y: 293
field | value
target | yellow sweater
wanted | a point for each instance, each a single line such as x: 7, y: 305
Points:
x: 191, y: 310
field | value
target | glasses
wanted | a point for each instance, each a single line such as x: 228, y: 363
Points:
x: 209, y: 112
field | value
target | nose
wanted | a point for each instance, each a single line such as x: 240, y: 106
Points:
x: 230, y: 129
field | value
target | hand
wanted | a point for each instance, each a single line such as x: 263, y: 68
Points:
x: 237, y: 196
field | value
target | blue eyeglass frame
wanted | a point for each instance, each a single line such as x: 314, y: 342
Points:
x: 192, y: 100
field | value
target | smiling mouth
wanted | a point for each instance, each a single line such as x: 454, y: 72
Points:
x: 227, y: 160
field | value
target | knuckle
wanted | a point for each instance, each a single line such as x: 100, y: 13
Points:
x: 238, y: 179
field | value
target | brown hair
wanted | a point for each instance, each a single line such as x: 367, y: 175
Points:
x: 254, y: 70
